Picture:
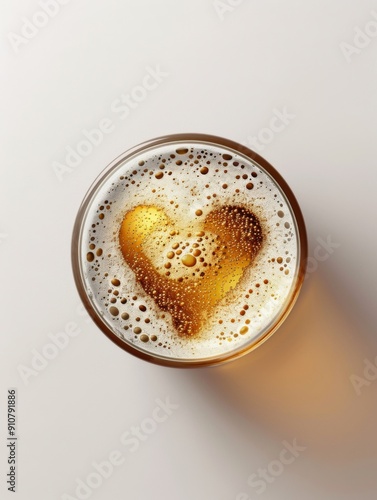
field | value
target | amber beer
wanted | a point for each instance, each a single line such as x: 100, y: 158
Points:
x: 189, y: 250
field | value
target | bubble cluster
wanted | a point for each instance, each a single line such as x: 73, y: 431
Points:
x: 189, y: 251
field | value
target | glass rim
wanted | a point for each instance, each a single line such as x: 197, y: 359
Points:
x: 213, y: 141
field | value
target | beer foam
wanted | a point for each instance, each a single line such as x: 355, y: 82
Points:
x: 189, y: 251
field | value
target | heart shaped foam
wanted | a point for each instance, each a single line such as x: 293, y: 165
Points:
x: 188, y: 271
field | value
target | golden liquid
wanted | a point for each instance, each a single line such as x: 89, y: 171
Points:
x: 209, y: 257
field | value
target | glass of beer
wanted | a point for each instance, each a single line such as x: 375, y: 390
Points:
x: 189, y: 250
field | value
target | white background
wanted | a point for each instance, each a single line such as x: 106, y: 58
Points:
x: 226, y: 73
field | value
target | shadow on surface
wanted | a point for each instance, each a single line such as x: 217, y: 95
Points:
x: 297, y: 384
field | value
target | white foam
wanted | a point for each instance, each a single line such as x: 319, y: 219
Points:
x: 187, y: 188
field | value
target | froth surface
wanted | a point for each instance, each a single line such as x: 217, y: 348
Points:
x: 189, y: 251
